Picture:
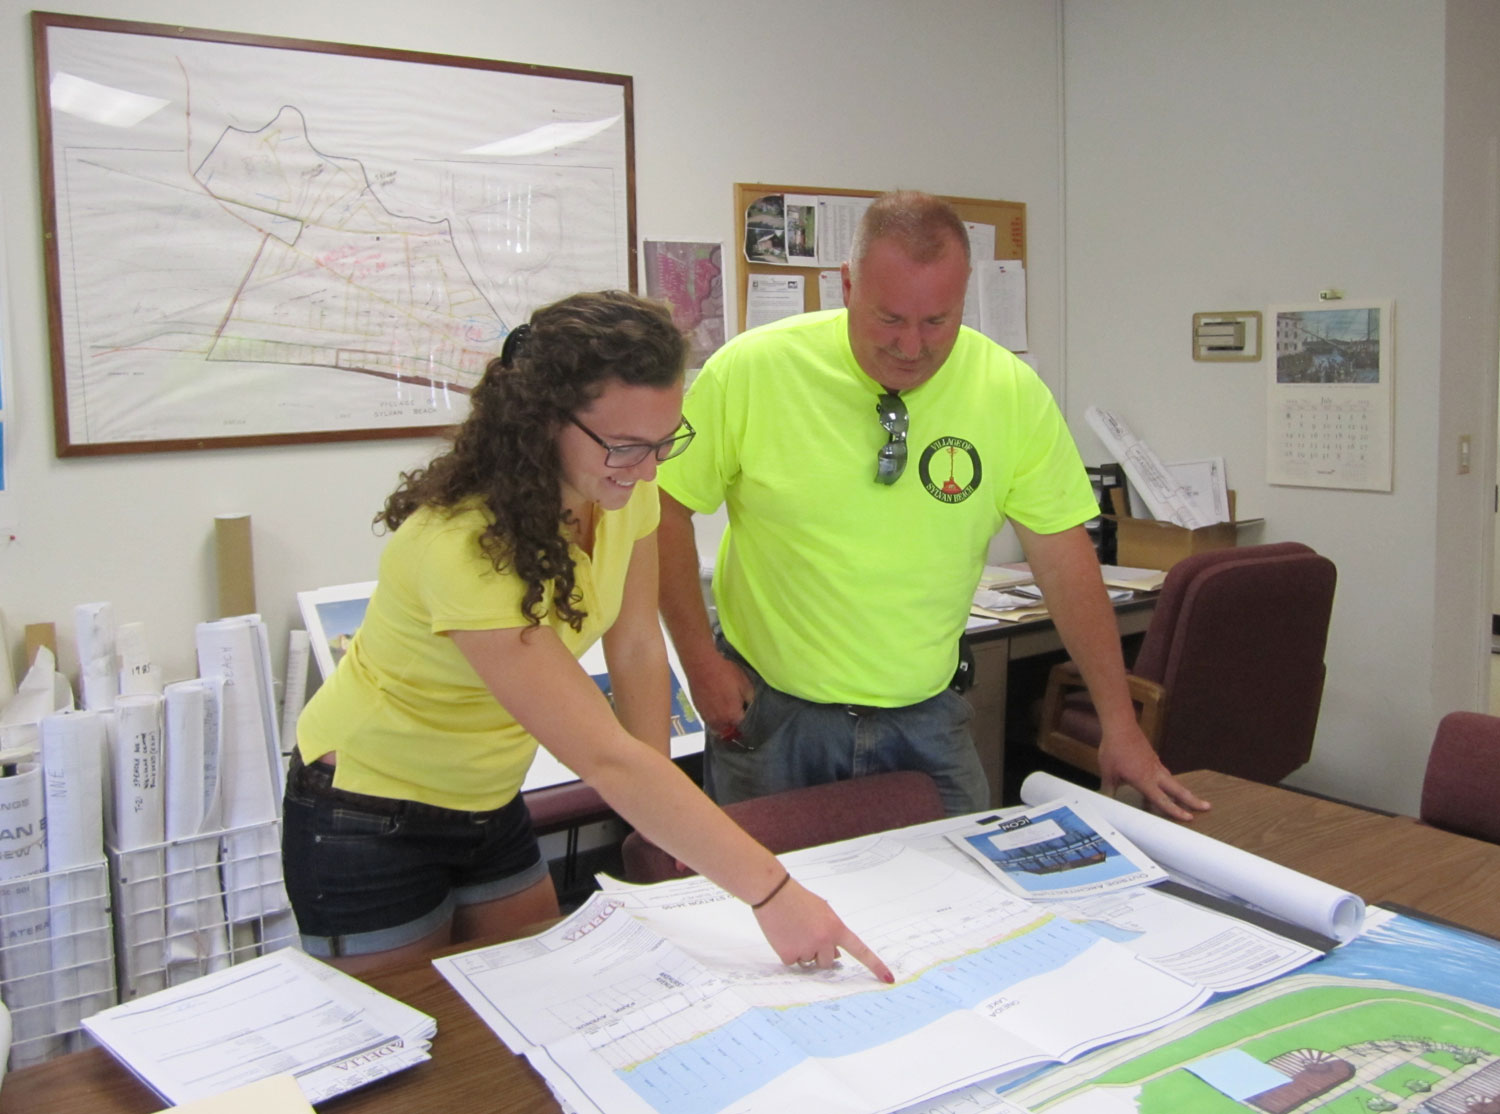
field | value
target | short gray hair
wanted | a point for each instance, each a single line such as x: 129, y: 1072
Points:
x: 924, y: 226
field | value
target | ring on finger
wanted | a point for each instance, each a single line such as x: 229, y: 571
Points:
x: 806, y: 963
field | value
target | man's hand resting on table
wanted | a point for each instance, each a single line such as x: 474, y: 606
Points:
x: 1127, y: 758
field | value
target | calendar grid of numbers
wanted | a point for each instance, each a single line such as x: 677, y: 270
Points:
x: 1329, y: 397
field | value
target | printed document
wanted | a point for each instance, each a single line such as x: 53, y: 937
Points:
x: 1054, y: 851
x: 667, y: 998
x: 283, y: 1012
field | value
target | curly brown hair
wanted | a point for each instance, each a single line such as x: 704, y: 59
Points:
x: 505, y: 452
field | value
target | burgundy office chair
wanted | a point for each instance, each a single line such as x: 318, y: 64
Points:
x: 1230, y: 674
x: 1461, y: 789
x: 806, y: 817
x: 566, y: 808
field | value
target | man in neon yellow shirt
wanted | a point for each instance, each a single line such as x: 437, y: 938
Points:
x: 866, y: 458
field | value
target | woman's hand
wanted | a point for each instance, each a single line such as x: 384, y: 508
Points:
x: 805, y: 931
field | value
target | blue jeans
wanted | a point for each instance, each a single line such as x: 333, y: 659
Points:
x: 786, y: 742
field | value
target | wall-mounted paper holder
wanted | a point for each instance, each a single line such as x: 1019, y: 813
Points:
x: 1230, y: 335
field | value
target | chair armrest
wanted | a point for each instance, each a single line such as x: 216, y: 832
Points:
x: 1149, y: 697
x: 1063, y: 678
x: 1151, y: 706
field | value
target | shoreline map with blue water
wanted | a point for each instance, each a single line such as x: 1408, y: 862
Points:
x: 667, y: 999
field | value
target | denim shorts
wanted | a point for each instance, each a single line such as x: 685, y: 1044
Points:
x: 367, y: 874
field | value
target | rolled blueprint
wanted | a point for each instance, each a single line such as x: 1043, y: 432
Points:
x: 82, y: 962
x: 1279, y: 890
x: 98, y: 662
x: 294, y: 691
x: 139, y: 826
x: 197, y: 941
x: 25, y: 917
x: 72, y: 745
x: 137, y: 672
x: 23, y: 841
x: 42, y: 691
x: 251, y: 771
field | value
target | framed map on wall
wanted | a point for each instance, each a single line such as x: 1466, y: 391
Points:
x: 257, y: 240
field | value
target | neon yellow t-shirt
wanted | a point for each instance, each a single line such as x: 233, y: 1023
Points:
x: 406, y: 713
x: 836, y: 588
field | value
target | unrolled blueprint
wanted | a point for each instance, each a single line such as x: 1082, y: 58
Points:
x: 666, y: 998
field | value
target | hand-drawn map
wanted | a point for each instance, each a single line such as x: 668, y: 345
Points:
x: 277, y: 242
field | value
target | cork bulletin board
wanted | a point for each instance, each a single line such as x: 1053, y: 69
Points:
x: 1007, y: 217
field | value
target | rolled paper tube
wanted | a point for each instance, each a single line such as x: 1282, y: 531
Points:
x: 1279, y: 890
x: 236, y: 564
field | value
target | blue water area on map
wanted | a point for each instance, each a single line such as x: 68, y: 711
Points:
x: 711, y: 1071
x: 1112, y: 931
x: 1421, y: 954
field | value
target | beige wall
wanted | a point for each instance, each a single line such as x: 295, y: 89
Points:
x: 1298, y: 146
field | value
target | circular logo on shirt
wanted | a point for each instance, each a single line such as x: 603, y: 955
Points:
x: 950, y: 469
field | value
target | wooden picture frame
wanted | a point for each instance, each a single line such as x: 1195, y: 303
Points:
x: 258, y: 241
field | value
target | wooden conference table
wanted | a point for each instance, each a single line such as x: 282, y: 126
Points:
x: 1381, y: 858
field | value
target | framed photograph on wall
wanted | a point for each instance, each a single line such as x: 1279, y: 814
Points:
x: 1329, y: 396
x: 254, y: 240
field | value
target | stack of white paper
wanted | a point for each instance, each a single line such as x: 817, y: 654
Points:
x: 281, y: 1012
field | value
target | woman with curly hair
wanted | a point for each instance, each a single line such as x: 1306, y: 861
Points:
x: 530, y: 538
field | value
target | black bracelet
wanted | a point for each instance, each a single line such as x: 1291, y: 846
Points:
x: 776, y: 889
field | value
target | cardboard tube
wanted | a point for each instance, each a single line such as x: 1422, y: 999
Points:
x: 236, y: 563
x: 37, y: 636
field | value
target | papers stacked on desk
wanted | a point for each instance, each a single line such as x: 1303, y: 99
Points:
x: 1024, y: 601
x: 1137, y: 580
x: 283, y: 1012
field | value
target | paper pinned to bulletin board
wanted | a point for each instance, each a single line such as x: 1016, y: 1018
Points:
x: 807, y: 231
x: 1329, y: 395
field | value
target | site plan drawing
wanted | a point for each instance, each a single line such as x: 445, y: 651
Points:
x: 258, y: 241
x: 1405, y: 1018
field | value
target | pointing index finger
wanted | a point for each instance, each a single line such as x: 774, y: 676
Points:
x: 856, y: 947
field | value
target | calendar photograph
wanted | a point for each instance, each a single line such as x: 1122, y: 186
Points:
x: 1329, y: 395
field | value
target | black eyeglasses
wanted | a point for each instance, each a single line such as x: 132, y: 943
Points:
x: 631, y: 454
x: 891, y: 460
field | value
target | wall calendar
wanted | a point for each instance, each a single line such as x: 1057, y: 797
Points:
x: 1329, y: 397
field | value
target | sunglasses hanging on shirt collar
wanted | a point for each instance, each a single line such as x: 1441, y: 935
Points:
x: 891, y: 460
